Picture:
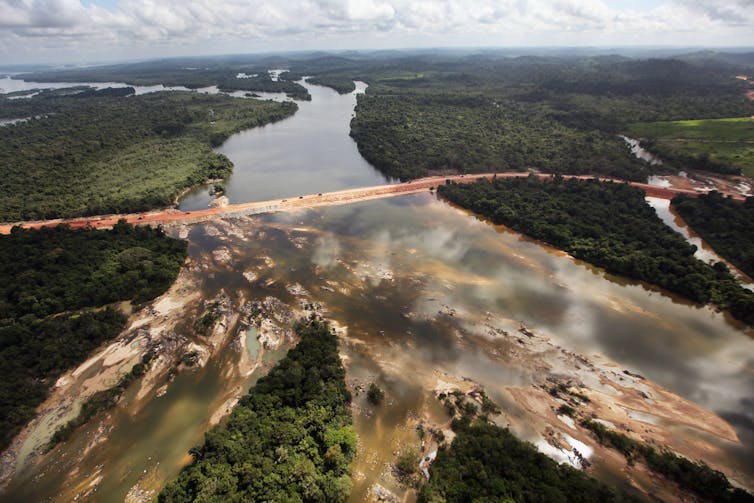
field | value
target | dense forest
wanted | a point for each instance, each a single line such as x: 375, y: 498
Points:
x: 52, y: 283
x: 106, y: 154
x: 289, y: 439
x: 725, y: 224
x: 486, y: 463
x: 609, y: 225
x: 556, y: 115
x: 412, y: 136
x: 341, y: 84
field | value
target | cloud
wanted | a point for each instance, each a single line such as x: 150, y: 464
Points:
x: 39, y: 13
x: 139, y: 28
x: 731, y: 12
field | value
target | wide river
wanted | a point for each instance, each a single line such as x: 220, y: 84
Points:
x: 414, y: 282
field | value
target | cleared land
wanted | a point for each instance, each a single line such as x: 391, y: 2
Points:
x: 728, y: 142
x: 347, y: 196
x: 420, y: 118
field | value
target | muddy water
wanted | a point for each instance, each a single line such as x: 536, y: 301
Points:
x: 415, y: 285
x: 308, y: 153
x: 704, y: 251
x: 417, y: 259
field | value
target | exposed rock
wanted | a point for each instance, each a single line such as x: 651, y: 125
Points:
x: 270, y: 335
x: 219, y: 202
x: 382, y: 494
x: 297, y: 290
x: 250, y: 276
x: 221, y: 255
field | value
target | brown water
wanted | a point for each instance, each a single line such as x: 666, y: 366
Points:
x: 413, y: 282
x: 704, y: 251
x: 385, y: 269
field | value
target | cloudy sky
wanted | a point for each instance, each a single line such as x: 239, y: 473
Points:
x: 78, y: 31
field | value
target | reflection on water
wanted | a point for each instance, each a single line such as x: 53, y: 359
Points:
x: 308, y: 153
x: 415, y: 283
x: 641, y: 153
x: 704, y: 251
x: 9, y: 85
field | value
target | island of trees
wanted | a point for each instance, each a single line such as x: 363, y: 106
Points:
x: 486, y: 463
x: 609, y: 225
x: 289, y: 439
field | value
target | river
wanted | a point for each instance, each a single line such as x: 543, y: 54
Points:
x: 308, y: 153
x: 420, y: 292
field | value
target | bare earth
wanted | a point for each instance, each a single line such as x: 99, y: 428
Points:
x: 312, y: 201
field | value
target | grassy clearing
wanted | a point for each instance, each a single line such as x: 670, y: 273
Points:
x: 724, y: 141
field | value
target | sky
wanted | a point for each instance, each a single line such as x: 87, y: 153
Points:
x: 85, y: 31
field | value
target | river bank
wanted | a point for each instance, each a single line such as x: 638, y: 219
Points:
x: 425, y: 299
x: 403, y: 295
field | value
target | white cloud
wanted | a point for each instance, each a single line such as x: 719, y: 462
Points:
x: 67, y: 29
x: 732, y: 12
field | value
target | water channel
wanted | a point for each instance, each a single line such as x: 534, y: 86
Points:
x: 415, y: 286
x: 308, y: 153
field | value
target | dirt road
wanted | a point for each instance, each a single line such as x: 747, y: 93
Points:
x: 308, y: 201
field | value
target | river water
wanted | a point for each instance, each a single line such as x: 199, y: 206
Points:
x: 308, y: 153
x: 414, y: 285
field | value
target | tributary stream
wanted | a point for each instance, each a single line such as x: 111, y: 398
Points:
x: 424, y: 295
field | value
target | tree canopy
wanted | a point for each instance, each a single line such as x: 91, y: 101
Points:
x: 609, y: 225
x: 724, y: 223
x: 50, y: 282
x: 116, y: 154
x: 289, y: 439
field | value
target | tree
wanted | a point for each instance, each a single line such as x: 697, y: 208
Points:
x: 375, y: 395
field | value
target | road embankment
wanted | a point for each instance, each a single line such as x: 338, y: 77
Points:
x: 346, y: 196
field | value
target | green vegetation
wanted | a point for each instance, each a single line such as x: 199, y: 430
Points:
x: 116, y: 154
x: 408, y: 462
x: 100, y: 401
x: 375, y: 395
x: 222, y: 75
x: 559, y: 115
x: 486, y: 463
x: 722, y: 145
x: 206, y: 322
x: 263, y: 83
x: 50, y: 279
x: 566, y: 410
x: 609, y: 225
x: 697, y: 478
x: 343, y: 85
x: 290, y: 439
x: 725, y: 224
x: 412, y: 136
